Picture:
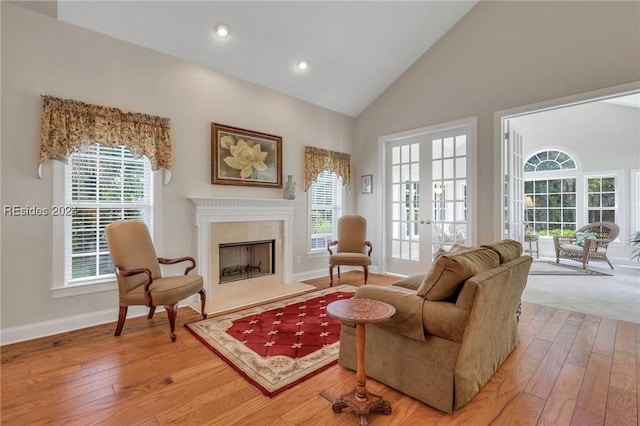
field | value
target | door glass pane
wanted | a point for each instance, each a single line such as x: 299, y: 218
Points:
x: 395, y: 155
x: 395, y: 249
x: 395, y: 211
x: 436, y: 173
x: 448, y: 192
x: 415, y: 152
x: 461, y: 145
x: 447, y: 169
x: 405, y: 175
x: 395, y: 174
x: 405, y: 158
x: 415, y: 251
x: 436, y: 149
x: 395, y: 192
x: 448, y: 147
x: 461, y: 167
x: 415, y: 172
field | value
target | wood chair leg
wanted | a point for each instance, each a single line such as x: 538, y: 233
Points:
x: 331, y: 275
x: 152, y: 310
x: 338, y: 271
x: 203, y: 299
x: 366, y: 274
x: 121, y: 317
x: 172, y: 311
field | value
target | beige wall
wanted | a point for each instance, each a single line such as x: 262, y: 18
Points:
x: 43, y: 56
x: 501, y: 55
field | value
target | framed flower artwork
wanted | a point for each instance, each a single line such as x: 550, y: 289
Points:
x: 244, y: 157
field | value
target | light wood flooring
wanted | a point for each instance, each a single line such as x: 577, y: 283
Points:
x: 568, y: 369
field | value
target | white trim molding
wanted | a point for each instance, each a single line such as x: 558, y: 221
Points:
x: 62, y: 325
x: 215, y: 210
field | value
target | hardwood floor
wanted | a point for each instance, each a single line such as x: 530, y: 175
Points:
x: 568, y: 369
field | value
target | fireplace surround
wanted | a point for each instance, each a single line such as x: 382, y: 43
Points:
x: 234, y: 220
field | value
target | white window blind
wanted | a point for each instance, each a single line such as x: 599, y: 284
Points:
x: 102, y: 184
x: 325, y: 207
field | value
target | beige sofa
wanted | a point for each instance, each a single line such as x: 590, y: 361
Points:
x: 453, y: 327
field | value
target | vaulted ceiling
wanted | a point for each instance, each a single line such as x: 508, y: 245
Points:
x: 355, y: 50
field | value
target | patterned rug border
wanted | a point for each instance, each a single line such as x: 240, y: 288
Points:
x: 567, y: 270
x: 226, y: 355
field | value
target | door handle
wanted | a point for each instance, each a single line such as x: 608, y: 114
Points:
x: 425, y: 221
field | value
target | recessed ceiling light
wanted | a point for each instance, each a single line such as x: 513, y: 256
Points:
x: 302, y: 65
x: 222, y: 30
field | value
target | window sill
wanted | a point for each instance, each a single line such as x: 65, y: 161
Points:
x: 85, y: 288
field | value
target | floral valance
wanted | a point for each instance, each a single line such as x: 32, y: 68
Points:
x: 68, y: 126
x: 317, y: 160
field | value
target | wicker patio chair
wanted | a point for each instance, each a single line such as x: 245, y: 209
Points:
x: 591, y: 248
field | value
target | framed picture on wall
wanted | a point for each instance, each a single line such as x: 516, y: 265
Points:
x: 244, y: 157
x: 367, y: 184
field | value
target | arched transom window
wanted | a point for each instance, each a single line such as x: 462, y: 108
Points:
x: 549, y: 160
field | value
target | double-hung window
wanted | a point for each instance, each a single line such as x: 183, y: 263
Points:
x: 325, y: 208
x: 101, y: 185
x: 601, y: 199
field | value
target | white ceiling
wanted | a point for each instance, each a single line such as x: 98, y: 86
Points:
x: 628, y: 100
x: 355, y: 49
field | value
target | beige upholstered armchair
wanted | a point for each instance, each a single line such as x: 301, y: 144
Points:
x: 588, y: 243
x: 140, y: 281
x: 352, y: 245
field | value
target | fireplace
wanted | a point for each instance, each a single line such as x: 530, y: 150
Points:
x: 247, y: 259
x: 231, y: 222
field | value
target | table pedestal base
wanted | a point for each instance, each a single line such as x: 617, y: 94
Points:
x: 362, y: 406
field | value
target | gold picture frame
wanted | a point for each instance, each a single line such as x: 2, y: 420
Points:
x: 244, y: 157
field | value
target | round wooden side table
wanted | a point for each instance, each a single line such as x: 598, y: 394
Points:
x: 360, y: 312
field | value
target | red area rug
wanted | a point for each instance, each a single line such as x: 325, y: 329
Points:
x: 277, y: 345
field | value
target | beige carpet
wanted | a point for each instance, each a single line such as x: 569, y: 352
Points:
x: 612, y: 293
x: 544, y: 267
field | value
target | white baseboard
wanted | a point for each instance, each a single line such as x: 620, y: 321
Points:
x: 62, y: 325
x: 309, y: 275
x: 77, y: 322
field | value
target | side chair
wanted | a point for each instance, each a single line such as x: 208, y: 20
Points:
x: 140, y: 281
x: 588, y: 243
x: 353, y: 248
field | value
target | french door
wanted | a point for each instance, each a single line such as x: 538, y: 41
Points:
x: 513, y: 184
x: 427, y: 193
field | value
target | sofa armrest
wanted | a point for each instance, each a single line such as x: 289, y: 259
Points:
x: 444, y: 319
x: 408, y: 317
x: 412, y: 283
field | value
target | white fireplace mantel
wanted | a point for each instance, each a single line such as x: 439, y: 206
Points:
x: 215, y: 210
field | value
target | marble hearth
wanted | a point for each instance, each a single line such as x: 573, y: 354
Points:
x: 221, y: 221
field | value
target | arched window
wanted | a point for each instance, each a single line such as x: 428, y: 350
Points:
x: 551, y: 196
x: 549, y: 160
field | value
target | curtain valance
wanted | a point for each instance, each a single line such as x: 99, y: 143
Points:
x: 68, y: 126
x: 317, y: 160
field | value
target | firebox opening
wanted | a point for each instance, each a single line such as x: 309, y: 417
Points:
x: 249, y: 259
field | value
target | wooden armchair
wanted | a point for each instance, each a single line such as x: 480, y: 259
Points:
x: 588, y: 243
x: 140, y: 281
x: 352, y: 246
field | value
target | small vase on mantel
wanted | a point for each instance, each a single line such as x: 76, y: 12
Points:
x: 290, y: 188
